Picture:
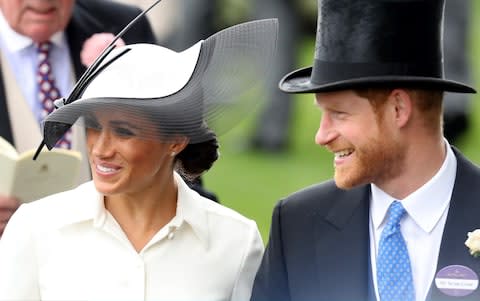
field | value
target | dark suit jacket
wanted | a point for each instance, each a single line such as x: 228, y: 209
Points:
x: 89, y: 17
x: 319, y: 245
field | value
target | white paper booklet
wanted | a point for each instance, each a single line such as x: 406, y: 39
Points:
x: 53, y: 171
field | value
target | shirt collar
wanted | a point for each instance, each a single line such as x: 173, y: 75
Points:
x: 190, y: 209
x: 82, y: 203
x: 15, y: 41
x: 425, y: 205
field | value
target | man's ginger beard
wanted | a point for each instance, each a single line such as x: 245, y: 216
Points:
x: 375, y: 161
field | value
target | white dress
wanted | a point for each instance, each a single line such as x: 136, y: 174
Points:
x: 68, y: 247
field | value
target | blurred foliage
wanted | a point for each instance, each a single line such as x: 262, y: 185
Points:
x: 229, y: 12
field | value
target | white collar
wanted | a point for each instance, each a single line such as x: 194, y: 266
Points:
x: 190, y: 209
x: 425, y: 205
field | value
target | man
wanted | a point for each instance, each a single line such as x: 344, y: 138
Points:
x: 393, y: 222
x: 68, y: 24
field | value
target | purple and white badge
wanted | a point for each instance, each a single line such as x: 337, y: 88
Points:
x: 456, y: 280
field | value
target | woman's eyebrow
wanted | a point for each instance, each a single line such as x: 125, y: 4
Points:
x: 123, y: 123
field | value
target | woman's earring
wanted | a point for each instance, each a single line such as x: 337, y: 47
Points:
x: 173, y: 154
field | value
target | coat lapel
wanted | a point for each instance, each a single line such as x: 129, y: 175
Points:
x: 5, y: 128
x: 463, y: 216
x: 342, y: 247
x: 80, y: 28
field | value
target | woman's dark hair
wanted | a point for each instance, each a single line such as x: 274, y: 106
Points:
x: 183, y: 119
x: 197, y: 158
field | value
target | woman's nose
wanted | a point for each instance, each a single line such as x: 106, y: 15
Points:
x: 101, y: 143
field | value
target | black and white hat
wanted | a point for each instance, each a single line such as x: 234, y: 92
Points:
x: 207, y: 87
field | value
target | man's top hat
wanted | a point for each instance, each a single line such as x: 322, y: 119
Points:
x: 376, y: 43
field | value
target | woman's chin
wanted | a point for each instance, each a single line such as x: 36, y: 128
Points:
x: 105, y: 188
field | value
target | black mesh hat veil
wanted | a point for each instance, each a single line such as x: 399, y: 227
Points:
x: 208, y: 87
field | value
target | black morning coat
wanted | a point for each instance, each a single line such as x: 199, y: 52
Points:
x: 319, y: 245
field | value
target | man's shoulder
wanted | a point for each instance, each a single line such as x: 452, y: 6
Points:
x: 314, y: 191
x: 93, y: 16
x: 321, y: 195
x: 62, y: 208
x: 107, y: 6
x: 464, y: 164
x: 103, y: 15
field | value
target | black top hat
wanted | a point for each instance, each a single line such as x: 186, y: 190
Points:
x: 362, y: 43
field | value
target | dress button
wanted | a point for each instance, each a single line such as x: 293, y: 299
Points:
x: 171, y: 233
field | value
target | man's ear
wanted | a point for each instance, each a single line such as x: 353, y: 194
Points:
x: 402, y: 105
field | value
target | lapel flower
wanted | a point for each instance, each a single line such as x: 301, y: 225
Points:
x: 94, y: 45
x: 473, y: 242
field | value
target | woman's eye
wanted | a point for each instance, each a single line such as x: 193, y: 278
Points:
x: 124, y: 132
x: 93, y: 124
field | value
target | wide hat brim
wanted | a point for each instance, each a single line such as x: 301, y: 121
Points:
x: 210, y: 86
x: 299, y: 81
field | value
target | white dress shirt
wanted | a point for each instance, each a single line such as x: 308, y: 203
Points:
x: 68, y: 247
x: 423, y: 224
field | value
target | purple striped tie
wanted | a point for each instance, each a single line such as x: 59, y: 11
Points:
x: 47, y: 91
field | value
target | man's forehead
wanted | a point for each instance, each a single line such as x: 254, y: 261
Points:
x: 335, y: 95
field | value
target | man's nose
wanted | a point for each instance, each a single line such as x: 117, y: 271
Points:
x: 325, y: 133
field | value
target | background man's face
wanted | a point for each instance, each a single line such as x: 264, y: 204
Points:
x: 37, y: 19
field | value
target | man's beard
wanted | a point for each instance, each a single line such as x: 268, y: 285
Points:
x: 377, y: 160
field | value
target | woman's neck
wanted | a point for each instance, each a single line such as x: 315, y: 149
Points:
x: 141, y: 215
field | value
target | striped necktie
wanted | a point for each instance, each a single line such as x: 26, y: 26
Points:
x: 47, y: 90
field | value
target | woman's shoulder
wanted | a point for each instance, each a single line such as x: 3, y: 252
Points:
x: 215, y: 212
x: 67, y: 197
x: 61, y: 207
x: 222, y: 212
x: 228, y: 229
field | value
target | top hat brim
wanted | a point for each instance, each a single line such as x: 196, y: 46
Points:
x: 299, y: 81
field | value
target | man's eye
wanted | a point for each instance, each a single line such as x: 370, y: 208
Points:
x: 338, y: 114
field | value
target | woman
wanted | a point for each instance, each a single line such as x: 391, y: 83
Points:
x: 137, y: 231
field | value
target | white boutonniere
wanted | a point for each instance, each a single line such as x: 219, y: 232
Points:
x: 94, y: 45
x: 473, y: 242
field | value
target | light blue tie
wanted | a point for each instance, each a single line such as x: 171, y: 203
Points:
x: 394, y: 274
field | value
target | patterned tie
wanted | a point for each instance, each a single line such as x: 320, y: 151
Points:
x: 394, y: 274
x: 47, y: 91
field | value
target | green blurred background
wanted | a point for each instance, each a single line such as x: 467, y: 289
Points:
x: 252, y: 182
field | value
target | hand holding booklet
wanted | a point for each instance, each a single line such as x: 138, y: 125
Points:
x: 28, y: 180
